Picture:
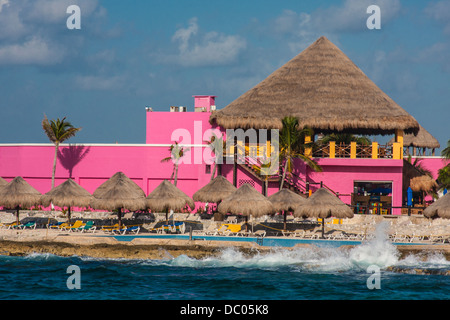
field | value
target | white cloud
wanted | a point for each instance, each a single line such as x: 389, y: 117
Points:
x: 207, y: 49
x: 352, y: 15
x: 32, y: 31
x: 34, y: 51
x: 301, y: 29
x: 3, y: 3
x: 440, y: 11
x: 99, y: 82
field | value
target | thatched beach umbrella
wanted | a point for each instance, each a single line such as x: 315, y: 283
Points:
x: 3, y: 183
x: 286, y: 200
x: 117, y: 193
x: 323, y: 204
x: 246, y: 201
x: 422, y: 183
x: 19, y: 193
x: 68, y: 194
x: 215, y: 191
x: 167, y: 197
x: 439, y: 209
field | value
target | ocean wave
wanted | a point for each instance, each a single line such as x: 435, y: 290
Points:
x: 378, y: 251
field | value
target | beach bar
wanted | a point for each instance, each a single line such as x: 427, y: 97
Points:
x: 321, y: 87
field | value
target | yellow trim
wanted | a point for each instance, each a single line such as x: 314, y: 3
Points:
x: 353, y: 150
x: 396, y: 147
x: 332, y: 149
x: 374, y: 150
x: 308, y: 151
x: 399, y: 139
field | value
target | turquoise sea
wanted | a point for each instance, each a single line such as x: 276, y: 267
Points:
x: 313, y: 273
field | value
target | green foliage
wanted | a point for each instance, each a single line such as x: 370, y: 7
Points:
x: 444, y: 177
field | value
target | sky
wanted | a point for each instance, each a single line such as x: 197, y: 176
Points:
x: 131, y: 54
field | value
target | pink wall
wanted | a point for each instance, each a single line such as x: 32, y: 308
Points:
x: 92, y: 164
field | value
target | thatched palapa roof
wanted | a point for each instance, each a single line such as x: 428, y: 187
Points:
x: 118, y: 192
x: 3, y: 183
x: 166, y: 197
x: 423, y: 139
x: 18, y: 192
x: 324, y: 204
x: 325, y: 91
x: 216, y: 190
x: 439, y: 208
x: 68, y: 194
x: 247, y: 201
x: 422, y: 183
x: 286, y: 200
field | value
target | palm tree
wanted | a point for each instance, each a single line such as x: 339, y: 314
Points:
x: 176, y: 153
x: 292, y: 147
x: 58, y: 131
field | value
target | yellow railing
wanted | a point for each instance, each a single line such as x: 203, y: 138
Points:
x: 356, y: 151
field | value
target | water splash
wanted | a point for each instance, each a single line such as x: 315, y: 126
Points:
x: 378, y: 250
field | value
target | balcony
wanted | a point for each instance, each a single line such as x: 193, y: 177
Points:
x: 356, y: 151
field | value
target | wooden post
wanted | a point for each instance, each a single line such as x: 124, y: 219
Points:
x: 308, y: 150
x: 399, y: 139
x: 332, y: 149
x: 353, y: 150
x: 374, y: 150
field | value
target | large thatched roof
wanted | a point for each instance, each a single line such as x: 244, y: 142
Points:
x: 166, y: 197
x: 325, y: 91
x: 247, y: 201
x: 423, y: 139
x: 439, y: 208
x: 18, y: 192
x: 67, y: 194
x: 324, y: 204
x: 216, y: 190
x: 118, y: 192
x: 286, y: 200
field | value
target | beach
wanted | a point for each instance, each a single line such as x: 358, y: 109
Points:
x: 99, y: 244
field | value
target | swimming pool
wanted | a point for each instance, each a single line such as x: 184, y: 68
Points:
x: 266, y: 241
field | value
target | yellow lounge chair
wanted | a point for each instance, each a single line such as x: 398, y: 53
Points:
x: 76, y: 225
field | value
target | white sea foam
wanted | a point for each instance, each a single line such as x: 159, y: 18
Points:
x: 377, y: 251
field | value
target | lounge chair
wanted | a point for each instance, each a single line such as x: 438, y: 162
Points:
x: 10, y: 225
x: 30, y: 224
x: 110, y: 229
x: 77, y: 224
x: 131, y: 229
x: 259, y: 233
x: 218, y: 231
x: 89, y: 226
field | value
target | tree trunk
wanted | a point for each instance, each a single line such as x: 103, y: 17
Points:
x: 214, y: 171
x: 176, y: 175
x: 284, y: 174
x: 54, y: 165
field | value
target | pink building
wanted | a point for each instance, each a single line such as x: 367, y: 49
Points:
x: 92, y: 164
x: 360, y: 175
